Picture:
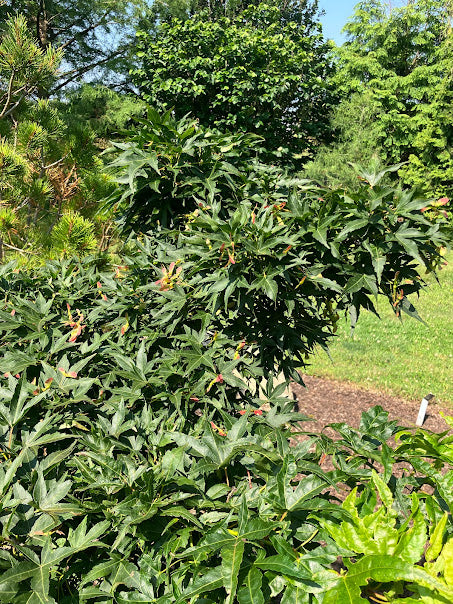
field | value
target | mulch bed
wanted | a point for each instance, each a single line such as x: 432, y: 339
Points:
x: 328, y: 401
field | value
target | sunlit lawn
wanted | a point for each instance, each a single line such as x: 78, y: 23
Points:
x: 408, y: 358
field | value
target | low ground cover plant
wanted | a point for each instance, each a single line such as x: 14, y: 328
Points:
x: 138, y: 462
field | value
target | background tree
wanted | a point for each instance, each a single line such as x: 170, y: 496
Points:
x: 96, y: 35
x: 303, y: 12
x: 400, y: 63
x: 355, y: 123
x: 258, y: 72
x: 49, y: 150
x: 24, y: 66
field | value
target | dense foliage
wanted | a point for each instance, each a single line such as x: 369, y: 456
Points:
x: 148, y: 452
x: 129, y: 475
x: 50, y: 160
x: 139, y: 461
x: 96, y: 35
x: 397, y: 65
x: 254, y: 72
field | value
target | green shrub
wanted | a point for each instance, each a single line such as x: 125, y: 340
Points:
x: 139, y: 466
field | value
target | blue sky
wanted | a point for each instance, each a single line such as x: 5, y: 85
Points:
x: 337, y: 13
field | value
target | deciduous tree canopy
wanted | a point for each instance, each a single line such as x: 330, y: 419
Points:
x: 258, y: 71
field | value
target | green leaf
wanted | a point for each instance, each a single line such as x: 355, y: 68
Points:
x: 213, y: 579
x: 358, y: 282
x: 251, y: 591
x: 268, y: 285
x: 353, y: 225
x: 381, y: 568
x: 410, y: 310
x: 378, y: 259
x: 231, y: 563
x: 436, y: 539
x: 19, y: 572
x: 285, y: 566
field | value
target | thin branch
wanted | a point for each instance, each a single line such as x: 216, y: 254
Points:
x: 16, y: 104
x: 18, y: 91
x: 11, y: 247
x: 8, y: 94
x: 75, y: 73
x: 55, y: 163
x: 83, y: 32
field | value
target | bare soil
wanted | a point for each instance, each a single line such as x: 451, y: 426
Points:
x: 328, y: 401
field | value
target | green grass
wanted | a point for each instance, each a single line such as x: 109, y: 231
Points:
x: 404, y: 358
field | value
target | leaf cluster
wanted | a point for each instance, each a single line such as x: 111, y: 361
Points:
x: 395, y: 75
x: 139, y: 463
x: 145, y: 450
x: 255, y: 71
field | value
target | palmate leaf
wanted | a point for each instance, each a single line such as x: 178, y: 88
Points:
x: 358, y: 282
x: 378, y: 531
x: 268, y: 285
x: 48, y: 496
x: 39, y: 572
x: 292, y: 498
x: 217, y: 539
x: 383, y: 569
x: 20, y: 401
x: 375, y: 423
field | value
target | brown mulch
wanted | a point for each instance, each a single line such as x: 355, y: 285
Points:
x: 328, y: 401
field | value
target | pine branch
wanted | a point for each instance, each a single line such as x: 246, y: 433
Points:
x: 17, y: 249
x: 16, y: 104
x: 8, y: 94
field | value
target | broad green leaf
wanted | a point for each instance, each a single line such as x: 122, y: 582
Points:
x: 436, y: 539
x: 353, y: 225
x: 383, y: 569
x: 268, y: 285
x: 19, y: 572
x: 285, y: 566
x: 359, y: 282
